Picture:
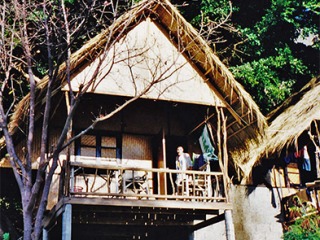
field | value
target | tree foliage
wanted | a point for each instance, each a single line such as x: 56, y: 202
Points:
x: 11, y: 217
x: 264, y: 43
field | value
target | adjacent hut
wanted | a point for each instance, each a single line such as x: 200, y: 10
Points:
x: 277, y: 173
x: 295, y: 121
x: 293, y: 125
x: 114, y: 179
x: 290, y: 151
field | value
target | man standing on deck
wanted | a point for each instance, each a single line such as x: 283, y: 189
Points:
x: 183, y: 163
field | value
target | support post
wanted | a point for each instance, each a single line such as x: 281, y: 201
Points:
x: 164, y: 160
x: 67, y: 222
x: 229, y: 225
x: 317, y: 163
x: 191, y: 236
x: 45, y: 234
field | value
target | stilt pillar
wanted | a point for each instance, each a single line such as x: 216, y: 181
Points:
x: 229, y: 225
x: 191, y: 236
x: 67, y: 222
x: 45, y: 234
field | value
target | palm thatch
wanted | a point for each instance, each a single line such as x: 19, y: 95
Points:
x: 286, y: 128
x: 288, y: 122
x: 245, y: 123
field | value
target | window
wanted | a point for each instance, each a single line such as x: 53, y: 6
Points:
x: 108, y: 147
x: 88, y: 145
x: 96, y: 145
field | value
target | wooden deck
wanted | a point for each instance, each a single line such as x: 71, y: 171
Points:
x: 133, y: 206
x: 111, y: 180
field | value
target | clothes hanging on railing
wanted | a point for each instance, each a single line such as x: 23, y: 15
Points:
x: 304, y: 158
x: 206, y: 145
x: 198, y: 162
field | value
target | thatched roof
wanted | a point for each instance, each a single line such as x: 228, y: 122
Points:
x: 288, y: 122
x: 302, y: 109
x: 244, y: 120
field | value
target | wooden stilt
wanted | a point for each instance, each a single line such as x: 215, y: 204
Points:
x: 229, y: 225
x: 67, y: 222
x: 191, y: 236
x: 45, y: 234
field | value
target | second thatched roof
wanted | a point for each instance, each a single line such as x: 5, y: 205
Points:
x: 298, y: 114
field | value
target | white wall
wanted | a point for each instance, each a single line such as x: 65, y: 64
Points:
x: 254, y: 216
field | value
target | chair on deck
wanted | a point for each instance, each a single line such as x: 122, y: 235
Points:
x: 201, y: 184
x: 137, y: 183
x: 183, y: 184
x: 195, y: 184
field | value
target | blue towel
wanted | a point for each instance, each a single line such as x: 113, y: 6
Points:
x: 306, y: 165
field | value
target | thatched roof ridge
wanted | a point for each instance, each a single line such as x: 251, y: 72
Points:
x: 245, y: 121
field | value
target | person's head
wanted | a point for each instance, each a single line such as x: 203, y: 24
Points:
x: 180, y: 150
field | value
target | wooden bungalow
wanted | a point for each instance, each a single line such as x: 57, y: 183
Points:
x: 117, y: 181
x: 290, y: 150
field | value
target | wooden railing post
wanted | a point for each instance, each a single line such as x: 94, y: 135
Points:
x: 71, y: 187
x: 159, y: 186
x: 164, y: 161
x: 67, y: 179
x: 62, y: 180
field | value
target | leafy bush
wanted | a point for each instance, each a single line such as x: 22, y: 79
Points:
x: 305, y: 228
x: 6, y: 236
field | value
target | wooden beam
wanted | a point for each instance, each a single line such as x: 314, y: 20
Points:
x: 141, y: 210
x: 137, y: 222
x: 209, y: 206
x: 208, y: 222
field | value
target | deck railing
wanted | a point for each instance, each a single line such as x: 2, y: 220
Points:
x: 105, y: 178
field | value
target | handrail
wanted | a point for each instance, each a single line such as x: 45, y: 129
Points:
x: 121, y: 167
x: 122, y: 181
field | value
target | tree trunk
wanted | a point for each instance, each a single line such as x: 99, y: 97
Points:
x: 27, y: 212
x: 44, y: 201
x: 27, y: 224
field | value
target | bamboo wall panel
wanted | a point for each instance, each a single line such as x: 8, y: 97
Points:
x: 136, y: 147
